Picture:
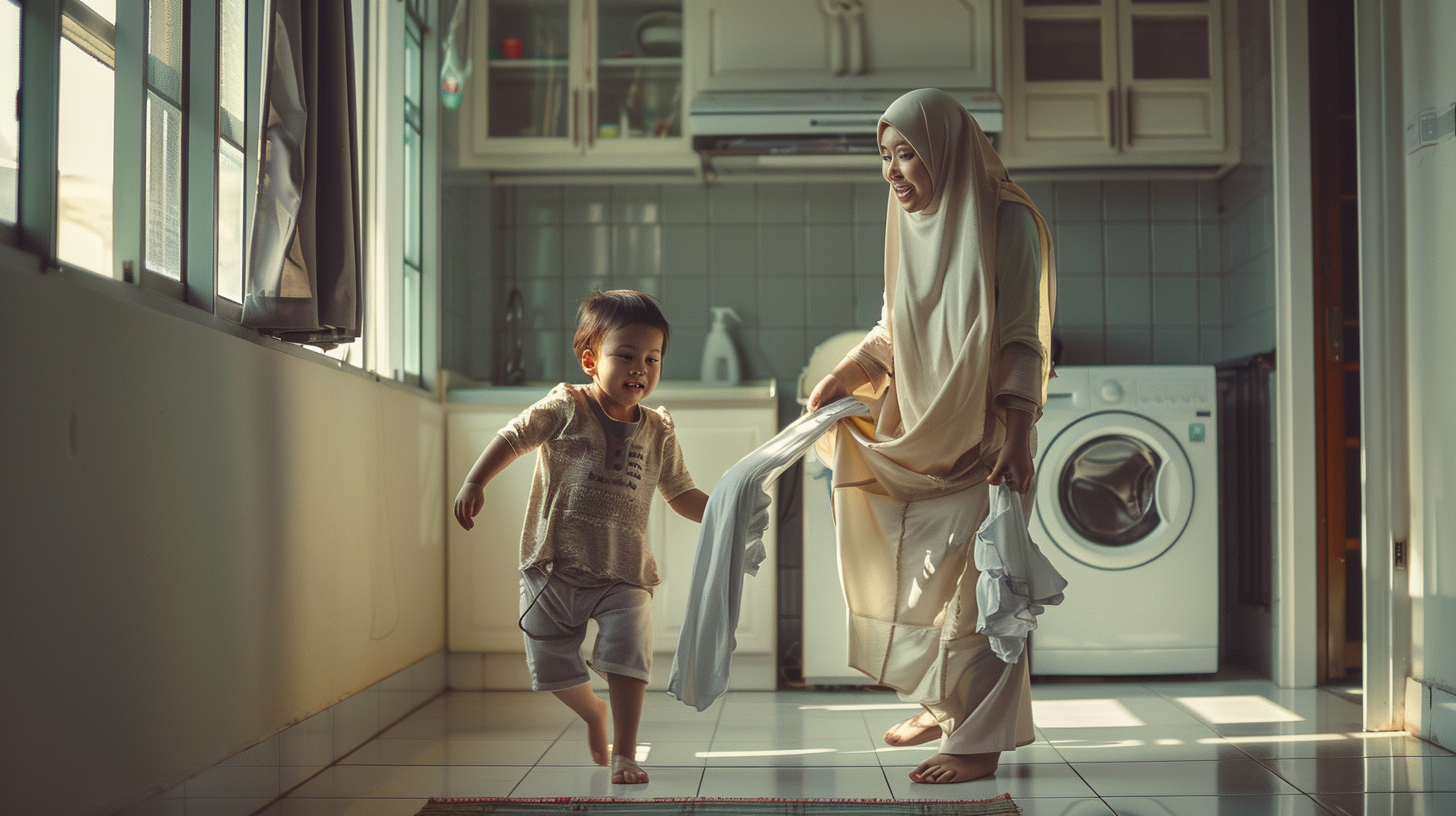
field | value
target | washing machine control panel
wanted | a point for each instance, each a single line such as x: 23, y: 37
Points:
x: 1168, y: 393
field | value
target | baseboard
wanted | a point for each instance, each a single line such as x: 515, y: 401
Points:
x: 253, y: 778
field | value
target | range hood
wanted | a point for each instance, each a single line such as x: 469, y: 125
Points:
x: 744, y: 132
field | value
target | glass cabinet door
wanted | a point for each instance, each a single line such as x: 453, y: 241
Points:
x: 529, y: 69
x: 638, y: 55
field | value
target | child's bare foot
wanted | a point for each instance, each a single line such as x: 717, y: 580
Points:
x: 945, y: 768
x: 914, y: 731
x: 596, y: 730
x: 626, y: 771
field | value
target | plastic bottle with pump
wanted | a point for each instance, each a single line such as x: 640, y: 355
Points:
x: 720, y: 358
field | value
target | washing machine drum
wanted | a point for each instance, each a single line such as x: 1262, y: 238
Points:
x: 1114, y: 490
x: 1108, y: 491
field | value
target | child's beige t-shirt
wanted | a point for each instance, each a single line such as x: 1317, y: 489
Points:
x: 592, y: 489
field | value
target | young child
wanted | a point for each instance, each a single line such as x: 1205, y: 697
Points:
x: 584, y: 552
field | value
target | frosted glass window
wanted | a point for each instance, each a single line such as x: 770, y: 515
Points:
x: 9, y: 123
x: 84, y: 174
x: 165, y: 53
x: 164, y: 187
x: 232, y: 68
x: 229, y: 221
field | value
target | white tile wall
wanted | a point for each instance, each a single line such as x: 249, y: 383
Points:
x: 1175, y: 272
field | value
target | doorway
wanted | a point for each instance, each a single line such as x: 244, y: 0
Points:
x: 1336, y: 254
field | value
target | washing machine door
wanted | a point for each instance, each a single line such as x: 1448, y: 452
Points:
x: 1114, y: 490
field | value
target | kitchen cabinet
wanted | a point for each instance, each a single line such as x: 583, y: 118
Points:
x: 574, y: 85
x: 1121, y: 82
x: 827, y: 45
x: 715, y: 428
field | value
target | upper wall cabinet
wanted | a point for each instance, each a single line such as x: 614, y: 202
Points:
x: 575, y: 85
x: 826, y: 45
x: 1121, y: 82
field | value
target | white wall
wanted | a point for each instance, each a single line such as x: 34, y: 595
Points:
x: 205, y: 539
x: 1430, y: 180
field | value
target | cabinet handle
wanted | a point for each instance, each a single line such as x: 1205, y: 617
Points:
x: 854, y: 23
x: 576, y: 117
x: 1127, y: 111
x: 591, y: 118
x: 1112, y: 118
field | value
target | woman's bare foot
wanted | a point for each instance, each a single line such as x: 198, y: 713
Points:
x: 596, y: 731
x: 945, y: 768
x: 626, y: 771
x: 914, y: 731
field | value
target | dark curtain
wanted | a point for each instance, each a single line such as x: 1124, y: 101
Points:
x: 304, y: 265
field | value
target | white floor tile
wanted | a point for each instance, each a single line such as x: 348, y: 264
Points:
x: 1390, y: 804
x: 1063, y: 807
x: 795, y: 783
x: 1159, y: 744
x: 1368, y: 774
x: 912, y: 755
x: 810, y: 753
x: 663, y: 783
x: 575, y: 754
x: 1182, y: 778
x: 1296, y: 804
x: 225, y: 806
x: 1147, y: 748
x: 411, y: 782
x: 449, y: 752
x: 1337, y: 744
x: 1021, y: 781
x: 671, y: 730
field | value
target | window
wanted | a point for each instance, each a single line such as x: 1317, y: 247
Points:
x: 232, y: 47
x: 152, y: 194
x: 9, y: 122
x: 84, y: 172
x: 165, y: 112
x: 414, y: 141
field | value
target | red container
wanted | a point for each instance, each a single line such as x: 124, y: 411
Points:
x: 513, y: 48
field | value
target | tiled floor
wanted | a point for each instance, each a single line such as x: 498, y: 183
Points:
x: 1184, y: 748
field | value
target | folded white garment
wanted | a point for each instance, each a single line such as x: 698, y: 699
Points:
x: 1017, y: 581
x: 730, y: 544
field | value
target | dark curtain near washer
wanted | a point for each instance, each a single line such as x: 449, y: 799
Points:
x: 304, y: 269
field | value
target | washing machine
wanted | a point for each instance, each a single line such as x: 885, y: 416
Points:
x: 1126, y: 509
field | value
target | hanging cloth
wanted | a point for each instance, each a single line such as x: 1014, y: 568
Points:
x: 1016, y: 581
x: 304, y: 265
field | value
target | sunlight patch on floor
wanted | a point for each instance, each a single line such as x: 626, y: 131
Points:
x: 1248, y: 708
x: 1082, y: 714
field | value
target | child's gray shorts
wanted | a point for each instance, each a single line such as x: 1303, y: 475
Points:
x: 554, y: 615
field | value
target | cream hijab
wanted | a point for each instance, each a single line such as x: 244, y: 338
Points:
x: 937, y: 427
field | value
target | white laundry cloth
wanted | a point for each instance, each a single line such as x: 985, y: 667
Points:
x: 1017, y: 581
x: 730, y: 544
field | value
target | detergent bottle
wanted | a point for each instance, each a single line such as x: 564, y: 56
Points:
x: 720, y: 358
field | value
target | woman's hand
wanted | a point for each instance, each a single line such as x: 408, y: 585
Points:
x: 1014, y: 461
x: 829, y: 390
x: 468, y: 503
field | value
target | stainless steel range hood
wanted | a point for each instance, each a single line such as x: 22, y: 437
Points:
x: 804, y: 132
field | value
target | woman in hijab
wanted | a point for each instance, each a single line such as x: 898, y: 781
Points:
x: 955, y: 375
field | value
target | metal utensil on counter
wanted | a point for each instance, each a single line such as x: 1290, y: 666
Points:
x: 514, y: 366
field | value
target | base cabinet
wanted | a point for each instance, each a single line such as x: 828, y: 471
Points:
x: 715, y: 428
